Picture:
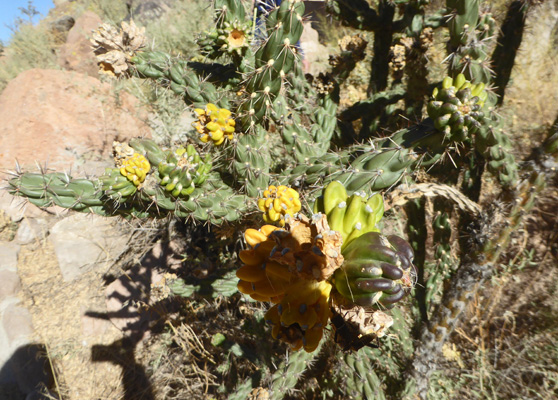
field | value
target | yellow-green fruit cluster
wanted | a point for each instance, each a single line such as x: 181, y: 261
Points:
x: 183, y: 171
x: 278, y: 202
x: 456, y: 108
x: 352, y: 216
x: 135, y: 168
x: 214, y: 124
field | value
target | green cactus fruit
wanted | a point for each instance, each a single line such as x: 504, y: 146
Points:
x: 378, y: 271
x: 352, y: 216
x: 183, y: 171
x: 456, y: 108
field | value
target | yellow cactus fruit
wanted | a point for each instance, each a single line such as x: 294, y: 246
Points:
x: 256, y: 280
x: 214, y: 124
x: 135, y: 168
x: 290, y: 267
x: 278, y: 202
x: 301, y: 316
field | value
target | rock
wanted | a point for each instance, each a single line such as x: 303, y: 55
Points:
x: 315, y: 53
x: 17, y: 323
x: 82, y: 241
x: 11, y: 205
x: 10, y: 284
x: 31, y: 229
x: 62, y: 25
x: 8, y: 256
x: 76, y: 54
x: 93, y: 326
x: 61, y: 116
x: 149, y: 10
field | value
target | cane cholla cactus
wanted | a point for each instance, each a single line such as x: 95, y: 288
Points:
x: 214, y: 124
x: 278, y: 202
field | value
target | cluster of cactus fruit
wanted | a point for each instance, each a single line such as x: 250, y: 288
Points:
x: 272, y: 131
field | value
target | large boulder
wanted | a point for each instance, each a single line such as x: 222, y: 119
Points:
x: 63, y: 118
x: 76, y: 54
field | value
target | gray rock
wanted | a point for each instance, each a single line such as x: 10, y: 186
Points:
x: 9, y: 284
x: 63, y: 24
x: 31, y: 229
x: 17, y: 324
x: 83, y: 241
x: 8, y: 256
x: 13, y: 206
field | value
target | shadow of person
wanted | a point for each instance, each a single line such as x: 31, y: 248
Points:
x: 26, y: 373
x: 135, y: 382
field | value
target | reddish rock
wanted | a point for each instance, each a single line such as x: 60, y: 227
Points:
x: 76, y: 54
x: 59, y: 116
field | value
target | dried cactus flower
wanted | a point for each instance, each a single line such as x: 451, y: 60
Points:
x: 114, y: 48
x: 259, y: 394
x: 356, y: 326
x: 135, y: 168
x: 121, y: 151
x: 214, y: 124
x: 279, y: 203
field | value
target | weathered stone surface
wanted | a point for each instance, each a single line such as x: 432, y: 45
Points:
x: 17, y: 323
x: 76, y: 54
x: 31, y: 229
x: 8, y: 256
x: 61, y: 116
x: 316, y: 55
x: 92, y: 326
x: 83, y: 241
x: 62, y: 25
x: 9, y: 284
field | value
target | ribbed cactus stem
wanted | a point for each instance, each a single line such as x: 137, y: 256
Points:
x: 471, y: 274
x: 290, y: 370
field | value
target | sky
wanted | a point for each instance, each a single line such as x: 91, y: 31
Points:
x: 9, y: 11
